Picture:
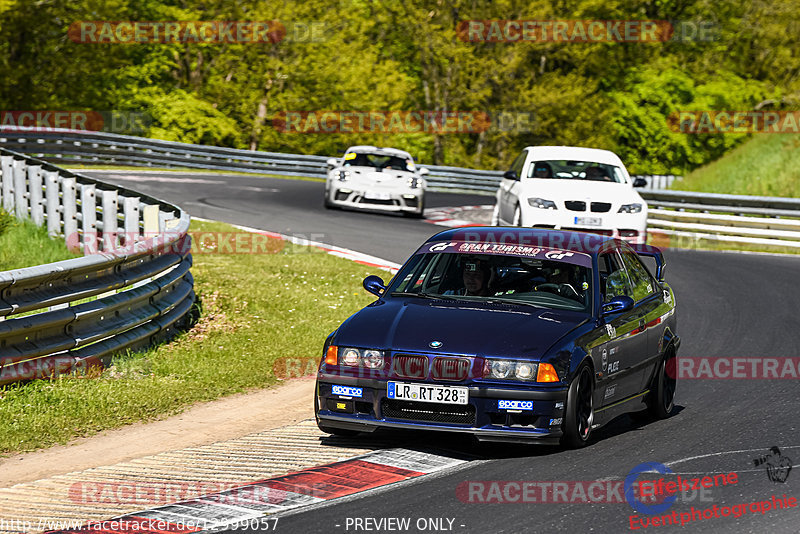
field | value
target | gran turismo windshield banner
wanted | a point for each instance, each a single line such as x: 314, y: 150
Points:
x: 500, y: 249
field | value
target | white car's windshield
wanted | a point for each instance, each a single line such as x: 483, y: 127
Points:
x: 528, y: 279
x: 575, y: 170
x: 378, y: 161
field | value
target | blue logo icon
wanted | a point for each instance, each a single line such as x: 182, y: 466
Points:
x: 630, y: 480
x: 435, y: 344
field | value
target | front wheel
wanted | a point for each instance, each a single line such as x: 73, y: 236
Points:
x: 579, y: 414
x: 495, y: 216
x: 662, y: 397
x: 517, y: 221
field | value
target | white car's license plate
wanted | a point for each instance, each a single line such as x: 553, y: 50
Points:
x: 377, y: 196
x: 428, y: 393
x: 589, y: 221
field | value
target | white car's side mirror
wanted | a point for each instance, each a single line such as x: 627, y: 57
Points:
x: 423, y: 171
x: 332, y: 162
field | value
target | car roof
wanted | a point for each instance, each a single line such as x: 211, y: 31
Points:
x: 379, y: 150
x: 575, y: 153
x: 511, y: 235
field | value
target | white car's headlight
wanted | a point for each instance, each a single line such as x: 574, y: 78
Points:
x: 630, y: 208
x: 342, y: 176
x: 542, y: 203
x: 414, y: 182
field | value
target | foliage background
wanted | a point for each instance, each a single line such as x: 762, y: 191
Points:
x: 386, y: 55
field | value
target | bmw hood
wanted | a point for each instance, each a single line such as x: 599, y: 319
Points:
x: 462, y: 327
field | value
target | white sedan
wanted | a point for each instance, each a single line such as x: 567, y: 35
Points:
x: 572, y: 188
x: 373, y: 178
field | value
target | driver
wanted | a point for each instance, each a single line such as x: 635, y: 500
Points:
x: 477, y: 276
x: 542, y: 170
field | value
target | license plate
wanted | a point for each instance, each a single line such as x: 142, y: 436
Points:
x: 589, y: 221
x: 428, y: 393
x: 377, y: 196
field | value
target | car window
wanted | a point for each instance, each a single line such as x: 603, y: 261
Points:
x: 519, y: 162
x: 614, y: 281
x: 641, y: 281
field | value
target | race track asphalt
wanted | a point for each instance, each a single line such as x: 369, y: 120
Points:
x: 729, y: 304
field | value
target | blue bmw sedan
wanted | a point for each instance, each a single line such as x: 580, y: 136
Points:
x: 508, y: 334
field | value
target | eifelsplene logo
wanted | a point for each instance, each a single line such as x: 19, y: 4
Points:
x: 776, y: 464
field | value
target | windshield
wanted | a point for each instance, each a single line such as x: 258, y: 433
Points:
x: 378, y: 161
x: 575, y: 170
x: 533, y: 276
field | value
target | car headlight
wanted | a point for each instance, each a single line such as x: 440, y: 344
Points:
x: 352, y: 357
x: 414, y: 182
x: 373, y: 359
x: 342, y: 176
x: 541, y: 203
x: 510, y: 370
x: 630, y: 208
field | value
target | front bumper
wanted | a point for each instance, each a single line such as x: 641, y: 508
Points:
x: 630, y: 227
x: 406, y: 200
x: 481, y: 417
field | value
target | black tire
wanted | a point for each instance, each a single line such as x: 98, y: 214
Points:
x: 517, y: 220
x: 662, y: 396
x: 328, y: 204
x: 579, y: 412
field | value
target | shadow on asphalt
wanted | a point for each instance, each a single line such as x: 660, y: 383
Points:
x: 466, y: 446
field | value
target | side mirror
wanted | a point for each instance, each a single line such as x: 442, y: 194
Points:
x: 616, y: 305
x: 510, y: 175
x: 332, y: 162
x: 423, y: 171
x: 374, y: 284
x: 639, y: 182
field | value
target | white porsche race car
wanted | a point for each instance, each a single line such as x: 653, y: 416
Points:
x: 572, y: 188
x: 373, y: 178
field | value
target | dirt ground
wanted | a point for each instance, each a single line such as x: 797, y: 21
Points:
x: 224, y: 419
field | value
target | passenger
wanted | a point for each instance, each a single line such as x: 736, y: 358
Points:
x: 597, y: 174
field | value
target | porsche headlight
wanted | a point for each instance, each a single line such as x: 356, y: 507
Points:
x: 414, y: 182
x: 341, y: 175
x: 630, y: 208
x: 541, y: 203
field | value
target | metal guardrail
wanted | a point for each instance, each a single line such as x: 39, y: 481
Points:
x: 133, y: 288
x: 82, y: 147
x: 726, y: 218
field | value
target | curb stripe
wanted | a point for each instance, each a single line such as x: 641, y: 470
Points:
x: 279, y: 494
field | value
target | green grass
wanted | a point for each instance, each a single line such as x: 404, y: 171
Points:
x: 259, y: 311
x: 765, y: 165
x: 23, y: 244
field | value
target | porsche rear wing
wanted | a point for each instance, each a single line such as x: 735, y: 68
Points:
x: 656, y: 254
